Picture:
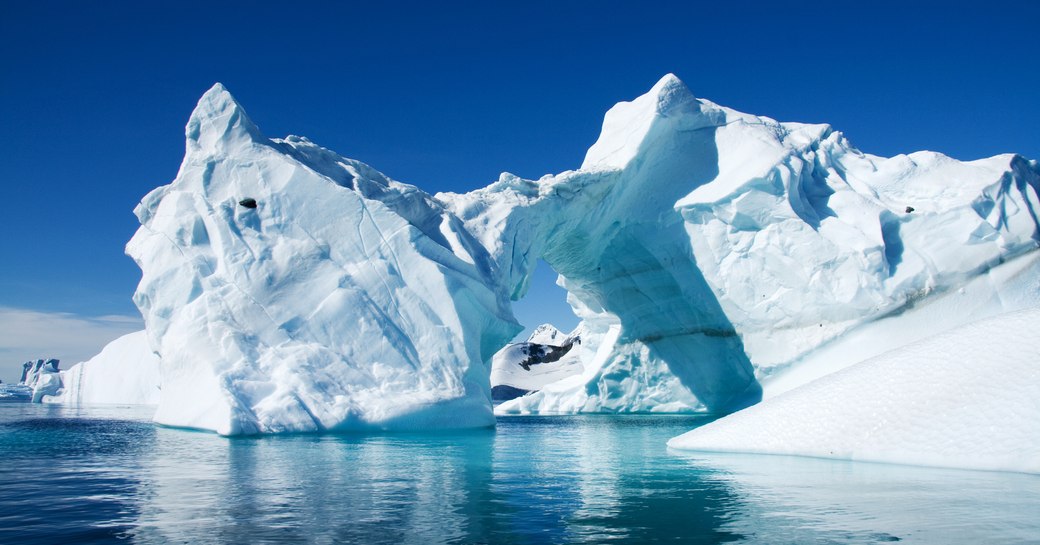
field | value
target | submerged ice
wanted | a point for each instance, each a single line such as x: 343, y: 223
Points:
x: 714, y: 257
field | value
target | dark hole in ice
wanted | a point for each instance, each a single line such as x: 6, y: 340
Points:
x: 248, y: 202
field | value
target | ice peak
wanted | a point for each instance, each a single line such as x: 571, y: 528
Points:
x: 627, y: 124
x: 217, y: 121
x: 671, y: 94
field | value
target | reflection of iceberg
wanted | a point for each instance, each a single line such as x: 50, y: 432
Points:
x: 803, y: 500
x: 966, y: 398
x: 324, y: 489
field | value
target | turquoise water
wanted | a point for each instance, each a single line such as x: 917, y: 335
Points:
x: 106, y: 474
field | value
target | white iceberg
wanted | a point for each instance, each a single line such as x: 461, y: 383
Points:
x: 288, y: 289
x: 709, y: 251
x: 41, y: 377
x: 966, y: 398
x: 126, y: 371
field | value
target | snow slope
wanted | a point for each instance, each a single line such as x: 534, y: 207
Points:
x: 41, y: 376
x: 709, y: 253
x: 547, y: 356
x: 339, y: 300
x: 967, y: 398
x: 126, y: 371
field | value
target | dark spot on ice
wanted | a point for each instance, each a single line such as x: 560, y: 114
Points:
x: 545, y: 353
x: 909, y: 209
x: 248, y: 202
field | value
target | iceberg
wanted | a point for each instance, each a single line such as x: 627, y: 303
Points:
x: 966, y: 398
x: 715, y: 258
x: 126, y: 371
x: 41, y: 377
x: 288, y: 289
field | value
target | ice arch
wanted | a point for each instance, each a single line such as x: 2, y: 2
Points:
x: 611, y: 231
x: 713, y: 253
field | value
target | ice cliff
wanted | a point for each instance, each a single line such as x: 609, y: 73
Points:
x: 336, y: 299
x: 713, y: 256
x: 42, y: 378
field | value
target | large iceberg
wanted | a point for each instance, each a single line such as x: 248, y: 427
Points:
x: 709, y: 252
x: 966, y: 398
x: 288, y: 289
x: 714, y: 257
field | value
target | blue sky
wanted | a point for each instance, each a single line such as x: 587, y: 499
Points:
x: 94, y: 97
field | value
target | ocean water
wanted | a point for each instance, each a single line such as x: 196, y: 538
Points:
x: 100, y: 475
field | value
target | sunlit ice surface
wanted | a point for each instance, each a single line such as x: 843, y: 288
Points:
x: 99, y: 474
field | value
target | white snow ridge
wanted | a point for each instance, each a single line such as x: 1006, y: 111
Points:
x: 714, y: 257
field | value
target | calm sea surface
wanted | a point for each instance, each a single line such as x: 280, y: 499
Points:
x: 99, y: 475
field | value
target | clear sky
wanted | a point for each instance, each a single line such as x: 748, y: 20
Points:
x: 94, y: 97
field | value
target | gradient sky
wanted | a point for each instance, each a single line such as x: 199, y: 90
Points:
x: 94, y: 98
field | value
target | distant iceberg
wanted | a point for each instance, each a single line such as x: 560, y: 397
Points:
x: 547, y: 356
x: 40, y: 378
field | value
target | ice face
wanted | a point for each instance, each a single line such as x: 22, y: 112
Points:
x: 547, y: 356
x: 125, y: 372
x: 340, y: 300
x: 965, y: 398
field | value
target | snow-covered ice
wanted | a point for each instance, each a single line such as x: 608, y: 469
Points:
x: 547, y: 356
x: 966, y: 398
x: 125, y: 372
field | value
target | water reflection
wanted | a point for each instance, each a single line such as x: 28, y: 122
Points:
x: 71, y: 475
x: 546, y: 480
x: 801, y: 500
